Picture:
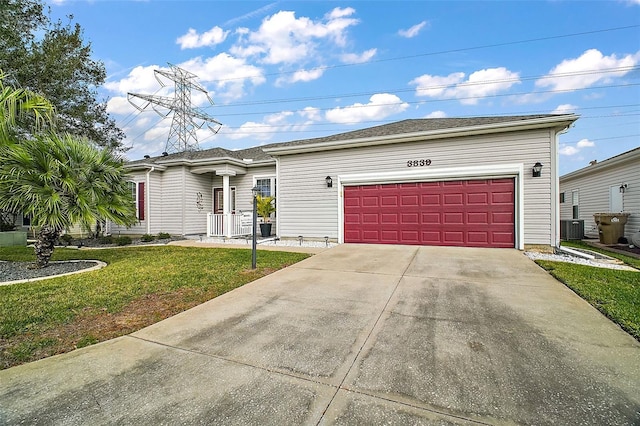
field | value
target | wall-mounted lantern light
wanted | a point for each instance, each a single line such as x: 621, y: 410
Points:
x: 329, y: 181
x: 623, y: 188
x: 537, y: 169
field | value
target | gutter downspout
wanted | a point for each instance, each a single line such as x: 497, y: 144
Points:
x: 148, y: 200
x: 556, y: 189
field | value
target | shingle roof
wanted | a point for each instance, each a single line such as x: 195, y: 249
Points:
x: 255, y: 153
x: 398, y: 128
x: 411, y: 126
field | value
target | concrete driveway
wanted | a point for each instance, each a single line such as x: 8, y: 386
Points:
x: 358, y: 334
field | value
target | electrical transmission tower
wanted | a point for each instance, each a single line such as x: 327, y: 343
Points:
x: 187, y: 119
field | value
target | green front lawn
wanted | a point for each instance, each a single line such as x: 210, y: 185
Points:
x: 140, y: 286
x: 613, y: 292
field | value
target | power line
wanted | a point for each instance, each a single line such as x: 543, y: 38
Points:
x: 439, y: 52
x: 440, y: 86
x: 424, y: 101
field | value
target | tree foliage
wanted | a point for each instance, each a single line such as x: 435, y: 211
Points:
x: 61, y: 181
x: 53, y: 59
x: 18, y: 104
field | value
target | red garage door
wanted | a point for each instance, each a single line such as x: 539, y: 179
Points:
x: 475, y: 213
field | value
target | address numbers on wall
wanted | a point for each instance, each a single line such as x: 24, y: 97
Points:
x: 418, y: 163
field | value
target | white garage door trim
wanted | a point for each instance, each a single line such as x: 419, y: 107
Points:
x: 429, y: 173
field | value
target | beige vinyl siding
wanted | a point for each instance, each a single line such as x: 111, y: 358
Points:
x: 173, y: 196
x: 308, y: 208
x: 593, y: 189
x: 153, y: 214
x: 195, y: 220
x: 140, y: 227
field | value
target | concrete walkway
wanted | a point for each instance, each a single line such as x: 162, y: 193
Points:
x: 354, y: 335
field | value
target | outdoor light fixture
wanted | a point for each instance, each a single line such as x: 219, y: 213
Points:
x: 623, y: 188
x: 537, y: 169
x: 254, y: 193
x: 329, y: 181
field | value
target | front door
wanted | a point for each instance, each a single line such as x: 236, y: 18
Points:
x: 218, y: 201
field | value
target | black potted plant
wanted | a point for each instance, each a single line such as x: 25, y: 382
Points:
x: 265, y: 206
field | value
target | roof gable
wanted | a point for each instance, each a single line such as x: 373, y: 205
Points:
x: 623, y: 158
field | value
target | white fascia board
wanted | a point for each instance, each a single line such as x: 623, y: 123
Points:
x: 559, y: 122
x: 144, y: 166
x: 215, y: 161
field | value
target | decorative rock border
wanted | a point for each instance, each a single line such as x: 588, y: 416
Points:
x: 99, y: 265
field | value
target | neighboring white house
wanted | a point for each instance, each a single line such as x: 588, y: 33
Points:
x: 612, y: 185
x: 448, y: 181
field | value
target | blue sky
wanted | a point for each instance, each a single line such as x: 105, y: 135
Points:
x: 288, y: 70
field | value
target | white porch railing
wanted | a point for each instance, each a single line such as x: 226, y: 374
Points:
x: 229, y: 225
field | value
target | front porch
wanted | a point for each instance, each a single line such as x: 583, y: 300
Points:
x: 230, y: 225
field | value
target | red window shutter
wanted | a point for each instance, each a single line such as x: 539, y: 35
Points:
x: 141, y: 201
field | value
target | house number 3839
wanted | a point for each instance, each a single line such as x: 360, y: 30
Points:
x: 418, y: 163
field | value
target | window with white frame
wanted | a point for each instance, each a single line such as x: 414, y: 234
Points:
x: 266, y: 185
x: 575, y: 201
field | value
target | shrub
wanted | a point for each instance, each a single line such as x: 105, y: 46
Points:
x: 123, y: 241
x: 66, y: 239
x: 147, y: 237
x: 107, y: 239
x: 163, y: 236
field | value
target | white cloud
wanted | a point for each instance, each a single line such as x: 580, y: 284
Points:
x: 311, y: 113
x: 479, y: 84
x: 584, y: 143
x: 119, y: 105
x: 192, y: 39
x: 588, y: 69
x: 413, y: 31
x: 285, y: 39
x: 228, y: 74
x: 435, y: 86
x: 354, y: 58
x: 564, y: 109
x: 436, y: 114
x: 140, y: 80
x: 380, y: 106
x: 570, y: 150
x: 271, y: 125
x: 301, y: 75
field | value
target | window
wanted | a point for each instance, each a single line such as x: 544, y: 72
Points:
x: 266, y: 186
x: 574, y: 202
x: 561, y: 197
x: 26, y: 220
x: 137, y: 195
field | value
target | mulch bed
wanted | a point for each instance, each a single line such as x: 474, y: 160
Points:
x: 625, y: 247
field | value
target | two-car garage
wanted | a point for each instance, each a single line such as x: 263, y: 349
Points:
x: 471, y: 213
x: 471, y: 182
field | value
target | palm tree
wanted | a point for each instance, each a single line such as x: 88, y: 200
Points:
x: 17, y: 104
x: 61, y: 181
